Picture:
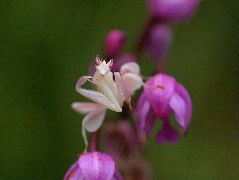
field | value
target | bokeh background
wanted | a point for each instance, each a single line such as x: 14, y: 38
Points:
x: 46, y: 45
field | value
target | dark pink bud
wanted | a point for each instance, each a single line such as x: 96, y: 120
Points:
x: 158, y: 42
x: 114, y: 42
x: 173, y: 10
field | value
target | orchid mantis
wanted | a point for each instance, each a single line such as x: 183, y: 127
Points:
x: 112, y: 91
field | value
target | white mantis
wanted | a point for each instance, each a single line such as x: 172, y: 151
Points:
x: 112, y: 91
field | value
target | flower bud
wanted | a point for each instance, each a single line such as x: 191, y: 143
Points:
x: 114, y: 42
x: 158, y: 41
x: 173, y: 10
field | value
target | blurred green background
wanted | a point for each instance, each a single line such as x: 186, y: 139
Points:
x: 46, y: 45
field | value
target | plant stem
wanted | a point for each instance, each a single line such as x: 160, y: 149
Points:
x: 140, y: 44
x: 94, y: 142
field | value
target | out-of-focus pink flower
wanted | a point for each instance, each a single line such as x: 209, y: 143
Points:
x: 93, y: 166
x: 173, y: 10
x: 114, y: 43
x: 158, y: 41
x: 162, y: 96
x: 137, y: 169
x: 122, y: 141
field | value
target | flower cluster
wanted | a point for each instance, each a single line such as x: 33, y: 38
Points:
x: 115, y: 82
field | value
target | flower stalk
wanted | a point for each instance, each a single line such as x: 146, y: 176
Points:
x: 115, y: 82
x: 95, y: 141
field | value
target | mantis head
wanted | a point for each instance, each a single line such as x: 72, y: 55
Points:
x: 102, y: 67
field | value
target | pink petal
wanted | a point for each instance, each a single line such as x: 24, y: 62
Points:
x: 117, y: 175
x: 182, y: 106
x: 159, y: 90
x: 145, y: 115
x: 167, y: 134
x: 96, y: 166
x: 73, y: 173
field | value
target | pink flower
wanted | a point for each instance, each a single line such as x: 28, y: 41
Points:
x: 93, y: 166
x: 173, y: 10
x: 162, y: 96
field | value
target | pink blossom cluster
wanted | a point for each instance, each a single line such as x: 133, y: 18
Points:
x: 116, y: 79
